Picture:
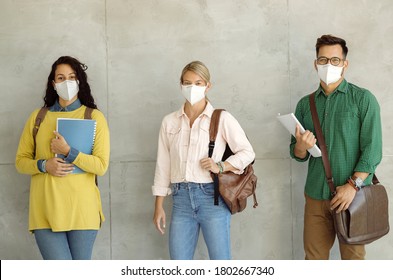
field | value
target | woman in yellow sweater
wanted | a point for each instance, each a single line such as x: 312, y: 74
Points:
x: 65, y: 209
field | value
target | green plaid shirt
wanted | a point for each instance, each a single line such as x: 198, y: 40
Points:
x: 351, y: 124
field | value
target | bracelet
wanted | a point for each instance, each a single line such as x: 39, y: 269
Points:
x: 220, y: 167
x: 352, y: 183
x: 43, y: 165
x: 223, y: 166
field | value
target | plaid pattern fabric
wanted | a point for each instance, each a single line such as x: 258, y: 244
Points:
x: 351, y: 124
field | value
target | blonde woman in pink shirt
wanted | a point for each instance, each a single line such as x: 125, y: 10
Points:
x: 183, y: 169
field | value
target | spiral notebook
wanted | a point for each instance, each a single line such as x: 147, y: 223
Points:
x: 79, y: 134
x: 289, y: 121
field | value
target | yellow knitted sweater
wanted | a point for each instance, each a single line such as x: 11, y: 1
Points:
x: 65, y: 203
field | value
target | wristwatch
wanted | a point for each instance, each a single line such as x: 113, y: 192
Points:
x: 358, y: 182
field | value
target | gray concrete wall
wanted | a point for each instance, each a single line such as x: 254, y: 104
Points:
x: 260, y: 54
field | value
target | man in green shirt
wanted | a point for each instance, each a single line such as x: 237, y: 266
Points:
x: 351, y: 125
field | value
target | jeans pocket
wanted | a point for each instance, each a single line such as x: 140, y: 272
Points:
x: 208, y: 189
x: 175, y: 189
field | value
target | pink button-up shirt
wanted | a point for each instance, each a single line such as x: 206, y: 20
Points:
x: 180, y: 148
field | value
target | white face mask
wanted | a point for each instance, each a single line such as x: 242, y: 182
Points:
x: 193, y: 93
x: 329, y: 74
x: 67, y: 89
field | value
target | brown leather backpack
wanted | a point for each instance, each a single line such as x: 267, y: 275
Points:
x: 233, y: 188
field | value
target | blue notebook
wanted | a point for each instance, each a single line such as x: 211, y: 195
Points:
x: 79, y: 134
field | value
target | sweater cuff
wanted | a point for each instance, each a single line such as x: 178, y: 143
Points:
x: 39, y: 165
x: 72, y: 155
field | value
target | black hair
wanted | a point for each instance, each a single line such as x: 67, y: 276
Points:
x: 84, y: 93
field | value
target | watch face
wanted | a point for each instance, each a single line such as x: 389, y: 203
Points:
x: 358, y: 182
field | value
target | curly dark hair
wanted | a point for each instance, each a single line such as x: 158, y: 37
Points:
x: 84, y: 93
x: 331, y: 40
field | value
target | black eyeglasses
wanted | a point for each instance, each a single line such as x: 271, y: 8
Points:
x: 322, y: 60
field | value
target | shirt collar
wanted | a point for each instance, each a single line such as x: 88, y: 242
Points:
x: 342, y: 87
x: 73, y: 106
x: 207, y: 112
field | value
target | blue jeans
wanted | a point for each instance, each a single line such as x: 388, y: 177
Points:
x: 194, y: 209
x: 65, y: 245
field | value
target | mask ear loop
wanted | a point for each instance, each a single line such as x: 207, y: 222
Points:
x: 344, y: 66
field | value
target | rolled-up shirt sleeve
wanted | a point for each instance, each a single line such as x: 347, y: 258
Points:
x: 370, y: 135
x: 299, y: 115
x: 163, y: 166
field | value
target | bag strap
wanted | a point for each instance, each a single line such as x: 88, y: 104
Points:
x: 322, y: 144
x: 88, y: 113
x: 38, y: 120
x: 213, y: 130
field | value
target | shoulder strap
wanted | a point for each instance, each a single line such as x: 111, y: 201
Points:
x: 88, y: 113
x: 38, y: 120
x: 213, y: 129
x: 322, y: 144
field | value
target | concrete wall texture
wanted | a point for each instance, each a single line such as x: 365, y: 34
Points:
x: 260, y: 54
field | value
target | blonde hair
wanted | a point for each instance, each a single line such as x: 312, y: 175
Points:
x: 198, y: 68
